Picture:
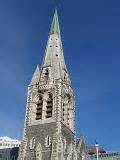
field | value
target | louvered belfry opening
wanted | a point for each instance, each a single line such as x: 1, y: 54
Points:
x: 39, y: 108
x: 66, y: 109
x: 49, y: 106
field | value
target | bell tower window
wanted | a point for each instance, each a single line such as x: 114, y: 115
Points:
x: 49, y: 106
x: 66, y: 110
x: 46, y: 74
x: 39, y: 108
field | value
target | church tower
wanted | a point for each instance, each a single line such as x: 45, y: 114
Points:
x: 49, y: 121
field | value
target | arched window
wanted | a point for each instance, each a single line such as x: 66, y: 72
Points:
x: 47, y: 141
x: 32, y: 143
x: 39, y: 108
x: 49, y: 106
x: 38, y: 152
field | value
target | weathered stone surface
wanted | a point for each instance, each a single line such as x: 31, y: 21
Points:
x: 49, y: 122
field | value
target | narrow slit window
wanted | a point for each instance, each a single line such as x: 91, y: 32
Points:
x: 48, y: 141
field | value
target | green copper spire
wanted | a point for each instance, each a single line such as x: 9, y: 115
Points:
x: 55, y: 25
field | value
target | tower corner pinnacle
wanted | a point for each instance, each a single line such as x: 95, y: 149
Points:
x: 36, y: 76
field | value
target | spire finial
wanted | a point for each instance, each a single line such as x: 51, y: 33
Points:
x: 55, y: 29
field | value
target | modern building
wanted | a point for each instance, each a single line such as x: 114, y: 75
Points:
x: 91, y: 150
x: 102, y: 154
x: 6, y: 142
x: 106, y: 156
x: 49, y: 131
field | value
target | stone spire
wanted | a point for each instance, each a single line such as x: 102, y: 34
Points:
x: 49, y: 120
x: 54, y: 53
x: 55, y: 29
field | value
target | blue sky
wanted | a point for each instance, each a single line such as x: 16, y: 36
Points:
x: 91, y: 40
